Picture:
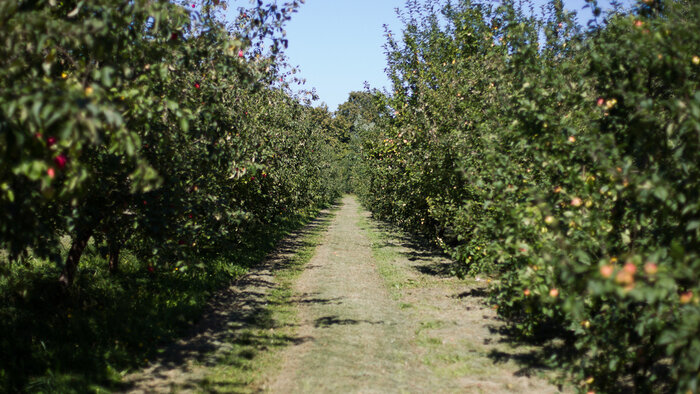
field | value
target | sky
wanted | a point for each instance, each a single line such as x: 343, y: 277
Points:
x: 338, y: 44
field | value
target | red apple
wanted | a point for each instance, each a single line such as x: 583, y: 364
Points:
x: 61, y: 160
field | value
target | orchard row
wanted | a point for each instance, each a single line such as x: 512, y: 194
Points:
x: 152, y: 126
x: 564, y: 163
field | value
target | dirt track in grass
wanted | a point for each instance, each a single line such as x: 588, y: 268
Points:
x: 370, y: 312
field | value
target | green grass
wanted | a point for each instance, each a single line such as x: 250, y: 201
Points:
x: 86, y: 338
x: 447, y: 359
x: 384, y: 256
x: 250, y: 360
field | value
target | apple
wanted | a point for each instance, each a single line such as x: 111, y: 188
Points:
x: 61, y: 160
x: 630, y: 267
x: 651, y: 268
x: 624, y: 277
x: 686, y: 297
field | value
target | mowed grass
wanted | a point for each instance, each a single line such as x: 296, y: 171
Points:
x: 457, y: 332
x: 86, y: 338
x: 254, y: 351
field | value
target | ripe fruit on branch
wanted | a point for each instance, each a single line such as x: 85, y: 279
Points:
x: 61, y: 160
x: 651, y: 268
x: 686, y: 297
x: 624, y: 277
x: 606, y: 271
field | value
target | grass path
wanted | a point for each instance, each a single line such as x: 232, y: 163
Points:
x: 385, y: 316
x: 354, y: 308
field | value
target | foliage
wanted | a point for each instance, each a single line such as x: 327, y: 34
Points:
x: 150, y: 125
x: 564, y: 162
x: 154, y: 131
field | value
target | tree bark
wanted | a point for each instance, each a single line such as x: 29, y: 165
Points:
x: 73, y: 259
x: 114, y: 249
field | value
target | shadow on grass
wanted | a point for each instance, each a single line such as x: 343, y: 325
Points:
x: 238, y: 323
x: 328, y: 321
x: 532, y: 356
x: 474, y: 292
x: 57, y: 341
x: 310, y: 298
x: 427, y: 257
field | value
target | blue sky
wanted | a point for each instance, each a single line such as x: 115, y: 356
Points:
x: 337, y: 44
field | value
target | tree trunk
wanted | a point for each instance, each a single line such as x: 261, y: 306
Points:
x: 114, y: 249
x: 76, y: 250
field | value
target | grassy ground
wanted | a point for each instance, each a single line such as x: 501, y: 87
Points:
x: 344, y: 305
x: 255, y: 345
x: 88, y: 338
x: 381, y: 314
x: 458, y: 336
